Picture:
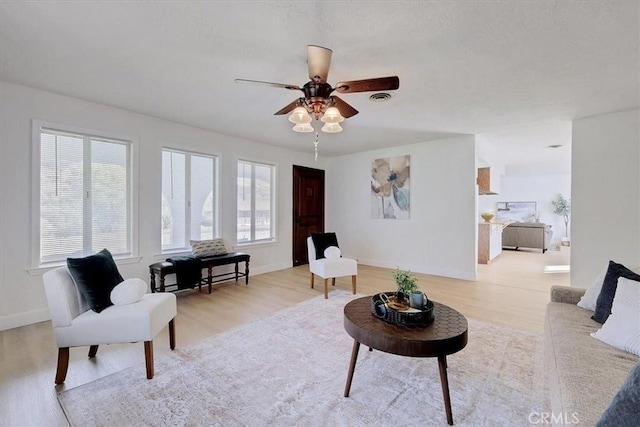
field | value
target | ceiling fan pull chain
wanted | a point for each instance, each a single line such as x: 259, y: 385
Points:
x: 315, y: 146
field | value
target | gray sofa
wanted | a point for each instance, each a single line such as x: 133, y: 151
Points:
x: 534, y: 235
x: 584, y: 373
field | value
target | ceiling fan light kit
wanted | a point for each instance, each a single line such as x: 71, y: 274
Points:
x: 318, y: 101
x: 303, y: 128
x: 331, y: 128
x: 332, y: 115
x: 300, y: 116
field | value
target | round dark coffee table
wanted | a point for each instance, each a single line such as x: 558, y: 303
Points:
x: 446, y: 335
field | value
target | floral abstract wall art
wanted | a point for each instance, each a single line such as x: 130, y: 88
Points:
x: 390, y: 195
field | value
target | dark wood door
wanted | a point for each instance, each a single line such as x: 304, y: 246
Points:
x: 308, y: 209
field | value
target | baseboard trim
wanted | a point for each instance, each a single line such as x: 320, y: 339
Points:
x: 454, y: 274
x: 269, y: 268
x: 22, y: 319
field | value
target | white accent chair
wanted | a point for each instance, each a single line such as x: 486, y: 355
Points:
x: 75, y: 325
x: 330, y: 268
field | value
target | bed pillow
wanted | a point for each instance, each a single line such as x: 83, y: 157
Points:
x: 95, y: 277
x: 321, y: 241
x: 608, y: 292
x: 205, y: 248
x: 128, y: 292
x: 622, y: 328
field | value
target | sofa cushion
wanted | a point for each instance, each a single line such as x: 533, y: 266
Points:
x: 584, y: 373
x: 622, y: 328
x: 95, y: 276
x: 624, y: 410
x: 608, y: 292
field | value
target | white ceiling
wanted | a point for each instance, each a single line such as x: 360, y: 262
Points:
x: 465, y: 67
x: 525, y: 149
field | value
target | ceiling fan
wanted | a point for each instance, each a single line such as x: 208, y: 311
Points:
x: 317, y: 99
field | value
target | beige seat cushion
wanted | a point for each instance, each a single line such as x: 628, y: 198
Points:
x: 584, y: 373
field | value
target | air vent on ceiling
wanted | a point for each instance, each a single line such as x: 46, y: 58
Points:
x: 380, y: 97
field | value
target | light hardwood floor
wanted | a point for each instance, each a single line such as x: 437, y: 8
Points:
x: 511, y: 290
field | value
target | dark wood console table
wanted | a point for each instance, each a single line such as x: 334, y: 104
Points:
x: 446, y: 335
x: 162, y: 269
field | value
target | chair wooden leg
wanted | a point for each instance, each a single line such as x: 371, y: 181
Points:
x: 333, y: 281
x: 353, y: 284
x: 311, y: 280
x: 93, y: 350
x: 172, y: 334
x: 326, y: 288
x: 148, y: 358
x: 63, y: 364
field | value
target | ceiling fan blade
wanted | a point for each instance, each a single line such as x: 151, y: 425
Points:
x: 288, y: 108
x: 258, y: 82
x: 369, y: 85
x: 345, y: 109
x: 318, y: 59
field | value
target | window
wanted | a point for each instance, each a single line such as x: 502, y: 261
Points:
x: 83, y: 191
x: 189, y: 198
x: 256, y: 202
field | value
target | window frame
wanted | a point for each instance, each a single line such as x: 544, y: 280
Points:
x: 274, y: 194
x: 37, y: 127
x: 187, y: 208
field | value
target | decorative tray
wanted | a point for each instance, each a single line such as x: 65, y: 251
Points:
x: 385, y: 307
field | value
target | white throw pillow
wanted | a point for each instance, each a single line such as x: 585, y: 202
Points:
x: 622, y: 328
x: 332, y: 252
x: 205, y: 248
x: 128, y: 292
x: 590, y: 297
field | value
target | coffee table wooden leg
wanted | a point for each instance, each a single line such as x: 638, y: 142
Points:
x: 442, y: 364
x: 352, y: 367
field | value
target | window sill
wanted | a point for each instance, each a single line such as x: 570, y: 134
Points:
x: 168, y: 254
x: 38, y: 271
x: 258, y: 244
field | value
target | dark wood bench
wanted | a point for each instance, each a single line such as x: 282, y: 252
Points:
x: 162, y: 269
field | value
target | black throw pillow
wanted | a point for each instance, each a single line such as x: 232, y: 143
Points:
x: 609, y: 286
x: 95, y: 276
x: 322, y: 241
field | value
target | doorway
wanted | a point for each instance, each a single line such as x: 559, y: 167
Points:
x: 308, y: 209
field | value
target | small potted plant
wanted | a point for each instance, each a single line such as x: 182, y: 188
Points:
x: 562, y: 207
x: 406, y: 283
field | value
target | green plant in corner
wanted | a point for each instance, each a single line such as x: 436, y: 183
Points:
x: 405, y: 280
x: 562, y: 207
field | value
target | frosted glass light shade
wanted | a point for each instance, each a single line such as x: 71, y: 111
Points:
x: 331, y: 128
x: 300, y: 116
x: 332, y: 115
x: 303, y: 128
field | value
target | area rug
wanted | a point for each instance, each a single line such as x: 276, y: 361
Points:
x: 290, y: 369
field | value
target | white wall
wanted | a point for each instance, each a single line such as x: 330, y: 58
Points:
x: 439, y: 238
x: 541, y: 189
x: 22, y: 299
x: 605, y: 194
